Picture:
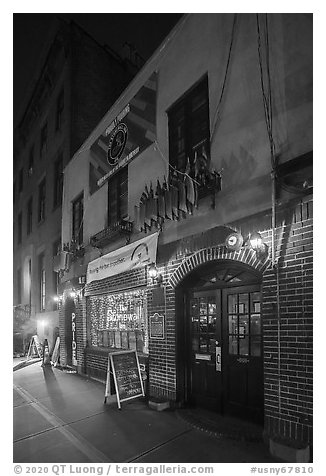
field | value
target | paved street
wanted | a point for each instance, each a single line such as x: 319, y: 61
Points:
x: 61, y: 417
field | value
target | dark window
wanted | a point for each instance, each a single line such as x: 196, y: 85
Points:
x: 189, y: 127
x: 21, y: 180
x: 19, y: 286
x: 30, y: 216
x: 31, y: 161
x: 44, y: 139
x: 41, y: 261
x: 30, y: 282
x: 56, y: 279
x: 41, y: 201
x: 77, y: 219
x: 59, y: 112
x: 20, y: 228
x: 58, y: 181
x: 118, y: 197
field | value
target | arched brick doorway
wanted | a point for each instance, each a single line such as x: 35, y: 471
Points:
x: 219, y: 336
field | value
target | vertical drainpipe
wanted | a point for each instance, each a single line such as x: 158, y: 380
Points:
x: 275, y: 266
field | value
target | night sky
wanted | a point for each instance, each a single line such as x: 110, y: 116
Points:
x: 145, y: 30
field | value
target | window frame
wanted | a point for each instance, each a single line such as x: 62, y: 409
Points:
x: 30, y: 161
x: 120, y: 203
x: 186, y: 121
x: 42, y: 281
x: 56, y: 248
x: 77, y: 214
x: 41, y: 200
x: 20, y: 228
x: 29, y: 216
x: 58, y: 181
x: 19, y: 286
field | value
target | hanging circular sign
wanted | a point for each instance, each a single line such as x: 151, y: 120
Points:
x: 234, y: 241
x: 117, y: 143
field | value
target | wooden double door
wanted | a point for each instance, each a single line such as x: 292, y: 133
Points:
x: 224, y: 351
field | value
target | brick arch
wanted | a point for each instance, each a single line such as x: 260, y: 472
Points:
x: 246, y: 256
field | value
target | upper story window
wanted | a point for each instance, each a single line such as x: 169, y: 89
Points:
x: 41, y: 267
x: 56, y: 248
x: 41, y: 201
x: 58, y: 181
x: 20, y: 228
x: 44, y: 139
x: 189, y: 127
x: 31, y: 161
x: 21, y: 180
x: 19, y: 286
x: 59, y: 111
x: 30, y: 216
x: 118, y: 197
x: 77, y: 219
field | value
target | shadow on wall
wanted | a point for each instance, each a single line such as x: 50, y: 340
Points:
x: 237, y: 169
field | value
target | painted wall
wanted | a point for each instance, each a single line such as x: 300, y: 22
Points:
x: 199, y: 45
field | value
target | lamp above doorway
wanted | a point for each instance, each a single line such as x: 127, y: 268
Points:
x: 154, y: 274
x: 235, y: 241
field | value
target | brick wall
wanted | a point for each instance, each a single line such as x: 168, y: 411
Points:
x: 288, y: 338
x: 162, y: 352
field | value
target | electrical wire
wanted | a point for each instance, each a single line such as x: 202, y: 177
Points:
x: 218, y: 107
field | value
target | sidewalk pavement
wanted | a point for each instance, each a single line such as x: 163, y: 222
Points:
x: 61, y: 418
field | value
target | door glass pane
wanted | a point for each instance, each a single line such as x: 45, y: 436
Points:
x: 233, y: 324
x: 244, y: 345
x: 203, y: 306
x: 211, y: 308
x: 195, y: 324
x: 243, y: 303
x: 255, y: 302
x: 203, y: 323
x: 211, y: 323
x: 255, y: 345
x: 232, y: 303
x: 243, y: 326
x: 233, y: 345
x: 255, y: 327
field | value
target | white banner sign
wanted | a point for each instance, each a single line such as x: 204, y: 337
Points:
x: 133, y: 256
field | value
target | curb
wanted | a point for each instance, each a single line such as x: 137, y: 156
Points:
x: 25, y: 363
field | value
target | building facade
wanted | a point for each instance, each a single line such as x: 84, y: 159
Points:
x: 196, y: 224
x: 75, y: 83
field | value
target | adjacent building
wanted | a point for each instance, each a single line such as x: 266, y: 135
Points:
x: 190, y: 204
x: 75, y: 83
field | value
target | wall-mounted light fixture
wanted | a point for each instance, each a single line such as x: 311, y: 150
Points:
x: 154, y: 274
x: 254, y: 240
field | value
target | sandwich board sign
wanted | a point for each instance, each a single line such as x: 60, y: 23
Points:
x: 126, y: 375
x: 35, y: 348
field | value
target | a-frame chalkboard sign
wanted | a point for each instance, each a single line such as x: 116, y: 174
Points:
x: 126, y: 374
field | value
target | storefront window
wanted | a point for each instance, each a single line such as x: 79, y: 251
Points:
x: 119, y: 321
